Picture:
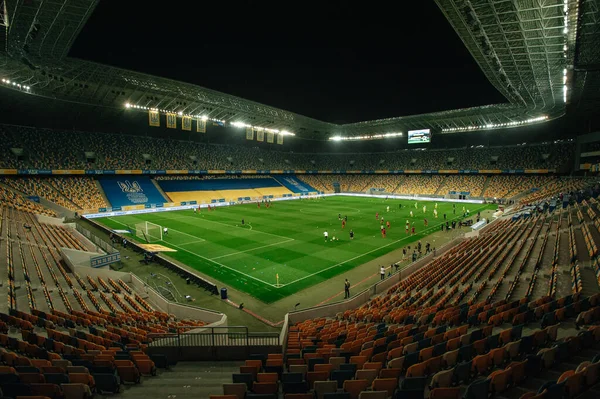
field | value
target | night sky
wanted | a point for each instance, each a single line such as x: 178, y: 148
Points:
x: 327, y: 60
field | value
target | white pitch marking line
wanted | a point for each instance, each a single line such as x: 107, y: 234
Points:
x: 228, y: 225
x: 198, y: 239
x: 193, y: 242
x: 376, y: 249
x: 253, y: 249
x: 210, y: 260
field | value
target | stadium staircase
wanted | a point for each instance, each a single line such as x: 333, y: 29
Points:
x: 517, y: 195
x: 60, y: 210
x: 440, y: 187
x: 185, y: 380
x: 368, y: 183
x: 101, y: 191
x: 400, y: 181
x: 485, y: 186
x: 59, y: 193
x: 160, y: 190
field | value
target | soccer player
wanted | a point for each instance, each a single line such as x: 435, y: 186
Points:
x: 388, y: 208
x: 351, y: 235
x: 435, y: 213
x: 258, y: 204
x: 416, y: 206
x: 339, y: 216
x: 345, y: 218
x: 387, y: 224
x: 242, y: 222
x: 413, y: 228
x: 377, y: 216
x: 407, y: 227
x: 165, y: 232
x: 435, y: 205
x: 343, y: 224
x: 383, y: 233
x: 411, y: 214
x: 425, y: 222
x: 195, y: 210
x: 424, y: 208
x: 326, y: 235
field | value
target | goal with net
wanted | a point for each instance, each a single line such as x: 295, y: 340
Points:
x: 149, y: 232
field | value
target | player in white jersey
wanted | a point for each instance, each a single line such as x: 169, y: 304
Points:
x: 424, y: 208
x: 435, y: 205
x: 388, y: 208
x: 411, y: 213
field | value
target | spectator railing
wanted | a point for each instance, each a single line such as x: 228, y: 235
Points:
x: 214, y: 343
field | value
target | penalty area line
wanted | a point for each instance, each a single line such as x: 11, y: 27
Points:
x: 253, y: 249
x: 213, y: 261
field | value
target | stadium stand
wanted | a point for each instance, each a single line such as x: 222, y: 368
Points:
x: 227, y: 189
x: 54, y: 149
x: 466, y: 184
x: 474, y: 322
x: 76, y: 336
x: 9, y: 198
x: 555, y: 187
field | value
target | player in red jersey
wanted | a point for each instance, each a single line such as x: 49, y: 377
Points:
x: 343, y: 224
x: 387, y: 224
x: 377, y: 216
x: 413, y: 229
x: 426, y: 222
x: 383, y: 233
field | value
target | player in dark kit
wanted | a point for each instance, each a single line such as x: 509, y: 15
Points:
x: 242, y: 222
x: 351, y: 235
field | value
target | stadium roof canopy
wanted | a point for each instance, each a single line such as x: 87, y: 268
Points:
x: 540, y: 54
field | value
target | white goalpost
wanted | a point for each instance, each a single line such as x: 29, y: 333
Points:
x: 148, y: 231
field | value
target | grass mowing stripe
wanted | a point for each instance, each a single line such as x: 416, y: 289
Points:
x: 228, y: 225
x: 301, y: 263
x: 210, y: 260
x: 433, y: 228
x: 253, y: 249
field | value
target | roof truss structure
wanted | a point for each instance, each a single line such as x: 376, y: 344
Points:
x: 524, y: 48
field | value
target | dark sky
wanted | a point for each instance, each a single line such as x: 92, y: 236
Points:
x: 328, y: 59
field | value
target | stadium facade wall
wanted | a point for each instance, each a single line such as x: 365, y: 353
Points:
x: 131, y: 191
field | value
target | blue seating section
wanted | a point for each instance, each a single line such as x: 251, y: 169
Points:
x: 130, y: 190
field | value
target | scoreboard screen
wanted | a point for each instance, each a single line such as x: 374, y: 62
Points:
x: 419, y: 136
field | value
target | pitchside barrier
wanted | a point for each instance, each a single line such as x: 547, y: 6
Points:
x: 152, y: 208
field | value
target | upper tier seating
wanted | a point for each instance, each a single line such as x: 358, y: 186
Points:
x: 55, y: 149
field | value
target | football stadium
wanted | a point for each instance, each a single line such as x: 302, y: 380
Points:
x: 206, y: 203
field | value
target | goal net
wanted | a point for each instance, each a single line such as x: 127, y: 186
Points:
x: 149, y: 232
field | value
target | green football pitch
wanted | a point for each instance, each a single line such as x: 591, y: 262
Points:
x: 287, y: 239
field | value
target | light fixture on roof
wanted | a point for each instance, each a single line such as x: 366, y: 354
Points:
x: 366, y: 137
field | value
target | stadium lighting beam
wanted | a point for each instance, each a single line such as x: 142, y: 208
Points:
x: 366, y: 137
x: 497, y: 125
